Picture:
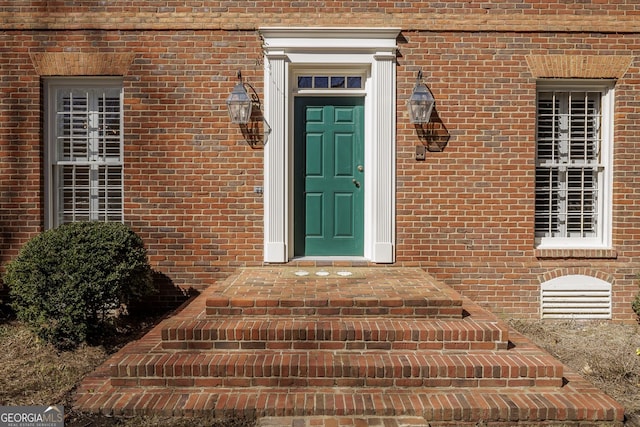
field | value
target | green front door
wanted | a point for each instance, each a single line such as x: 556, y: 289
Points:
x: 329, y: 176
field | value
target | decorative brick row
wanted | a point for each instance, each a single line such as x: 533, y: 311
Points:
x: 435, y: 20
x: 357, y: 333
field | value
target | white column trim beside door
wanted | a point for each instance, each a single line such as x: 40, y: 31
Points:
x: 370, y: 48
x: 275, y: 160
x: 383, y: 212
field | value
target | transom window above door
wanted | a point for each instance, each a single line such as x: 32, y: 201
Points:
x: 329, y: 81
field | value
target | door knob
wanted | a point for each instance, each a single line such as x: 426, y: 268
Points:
x: 356, y: 182
x: 360, y: 168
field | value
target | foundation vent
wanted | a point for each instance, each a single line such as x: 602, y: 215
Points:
x: 576, y: 297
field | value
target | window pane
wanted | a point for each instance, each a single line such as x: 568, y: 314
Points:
x: 305, y: 82
x: 584, y: 128
x: 581, y: 191
x: 109, y: 127
x: 337, y: 82
x: 354, y: 82
x: 72, y: 125
x: 321, y: 82
x: 75, y: 193
x: 548, y: 129
x: 546, y: 223
x: 110, y: 193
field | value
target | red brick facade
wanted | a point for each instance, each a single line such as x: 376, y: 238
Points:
x: 464, y: 214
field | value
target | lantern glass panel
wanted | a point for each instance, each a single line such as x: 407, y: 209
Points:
x: 239, y: 105
x: 420, y: 105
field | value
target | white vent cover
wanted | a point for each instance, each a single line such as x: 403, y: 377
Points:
x: 576, y: 297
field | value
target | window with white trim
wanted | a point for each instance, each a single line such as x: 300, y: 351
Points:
x: 573, y: 164
x: 84, y: 150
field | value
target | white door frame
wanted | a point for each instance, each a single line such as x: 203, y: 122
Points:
x: 373, y: 49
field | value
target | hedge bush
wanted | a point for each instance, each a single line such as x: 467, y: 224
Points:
x: 635, y: 305
x: 67, y: 282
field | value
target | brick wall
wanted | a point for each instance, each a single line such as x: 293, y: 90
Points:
x: 465, y: 213
x: 468, y: 210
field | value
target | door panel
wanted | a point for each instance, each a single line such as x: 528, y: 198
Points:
x: 329, y: 177
x: 314, y: 207
x: 314, y: 157
x: 344, y: 147
x: 344, y: 204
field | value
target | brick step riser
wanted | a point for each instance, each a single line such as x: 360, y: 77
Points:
x: 333, y: 345
x: 249, y: 336
x: 365, y: 330
x: 400, y: 312
x: 403, y: 383
x: 301, y: 367
x: 457, y: 408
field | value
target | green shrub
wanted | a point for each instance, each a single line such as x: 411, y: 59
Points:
x: 636, y: 305
x: 67, y: 282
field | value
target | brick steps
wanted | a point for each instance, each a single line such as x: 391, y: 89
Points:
x: 268, y: 343
x: 328, y: 369
x: 460, y: 405
x: 334, y: 334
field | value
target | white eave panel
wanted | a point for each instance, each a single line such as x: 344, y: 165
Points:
x: 329, y: 38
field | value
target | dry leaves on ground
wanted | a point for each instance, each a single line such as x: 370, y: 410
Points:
x: 33, y: 373
x: 602, y: 352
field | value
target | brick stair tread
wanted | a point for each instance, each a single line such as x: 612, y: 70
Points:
x: 429, y: 331
x: 512, y: 367
x: 457, y: 405
x: 279, y: 292
x: 280, y: 285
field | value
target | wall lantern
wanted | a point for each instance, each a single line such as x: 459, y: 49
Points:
x: 239, y: 103
x: 242, y: 111
x: 421, y: 102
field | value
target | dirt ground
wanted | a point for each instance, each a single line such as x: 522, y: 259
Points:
x: 32, y: 373
x: 602, y: 352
